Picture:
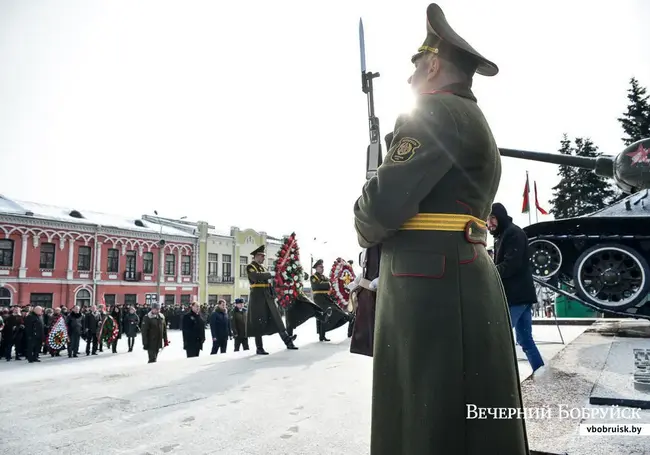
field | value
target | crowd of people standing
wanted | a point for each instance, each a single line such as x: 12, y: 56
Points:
x: 26, y: 332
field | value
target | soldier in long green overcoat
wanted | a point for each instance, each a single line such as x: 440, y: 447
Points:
x: 154, y: 332
x: 263, y: 316
x: 320, y: 287
x: 443, y: 342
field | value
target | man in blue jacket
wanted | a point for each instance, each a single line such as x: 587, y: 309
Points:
x: 220, y: 328
x: 512, y: 263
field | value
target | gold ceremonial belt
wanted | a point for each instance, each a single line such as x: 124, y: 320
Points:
x: 260, y: 285
x: 441, y: 222
x: 320, y: 292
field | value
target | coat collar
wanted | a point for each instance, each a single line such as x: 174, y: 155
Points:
x: 456, y: 89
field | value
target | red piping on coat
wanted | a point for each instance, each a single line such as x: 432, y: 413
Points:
x: 469, y: 261
x: 469, y: 209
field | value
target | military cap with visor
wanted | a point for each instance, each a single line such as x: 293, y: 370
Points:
x: 442, y: 40
x: 260, y: 250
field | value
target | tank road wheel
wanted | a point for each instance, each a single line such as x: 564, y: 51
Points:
x: 612, y: 277
x: 545, y: 258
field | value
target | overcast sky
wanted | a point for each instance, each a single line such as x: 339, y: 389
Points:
x: 198, y: 108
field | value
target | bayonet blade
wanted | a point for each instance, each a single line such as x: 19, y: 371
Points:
x: 362, y: 46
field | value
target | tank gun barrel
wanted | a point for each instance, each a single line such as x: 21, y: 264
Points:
x: 630, y: 169
x: 601, y: 165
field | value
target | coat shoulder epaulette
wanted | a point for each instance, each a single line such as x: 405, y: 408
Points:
x: 314, y: 278
x: 259, y: 268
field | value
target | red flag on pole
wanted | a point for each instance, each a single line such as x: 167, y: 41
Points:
x: 541, y: 210
x: 525, y: 207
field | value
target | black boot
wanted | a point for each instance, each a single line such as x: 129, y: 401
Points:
x: 322, y: 336
x: 288, y: 341
x: 259, y: 344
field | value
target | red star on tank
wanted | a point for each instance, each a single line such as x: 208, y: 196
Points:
x: 640, y: 155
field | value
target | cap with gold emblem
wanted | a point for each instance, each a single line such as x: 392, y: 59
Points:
x: 259, y: 250
x: 317, y: 263
x: 443, y: 40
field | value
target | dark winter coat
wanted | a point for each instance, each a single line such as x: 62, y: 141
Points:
x: 142, y: 312
x: 238, y: 323
x: 220, y: 325
x: 442, y: 330
x: 91, y: 323
x: 154, y: 331
x: 11, y: 327
x: 511, y: 259
x: 74, y: 321
x: 34, y: 328
x: 193, y: 331
x: 47, y: 319
x: 131, y: 325
x: 263, y: 314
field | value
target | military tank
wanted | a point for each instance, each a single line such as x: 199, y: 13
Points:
x: 600, y: 259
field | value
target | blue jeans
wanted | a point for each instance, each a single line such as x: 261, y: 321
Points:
x: 521, y: 317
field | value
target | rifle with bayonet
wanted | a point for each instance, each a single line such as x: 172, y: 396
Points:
x: 364, y: 323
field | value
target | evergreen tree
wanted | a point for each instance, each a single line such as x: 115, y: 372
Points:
x: 636, y: 120
x: 563, y: 193
x: 594, y: 192
x: 580, y: 191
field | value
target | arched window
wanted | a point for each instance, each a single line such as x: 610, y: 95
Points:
x: 83, y: 298
x: 5, y: 297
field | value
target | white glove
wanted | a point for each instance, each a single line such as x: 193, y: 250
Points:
x: 374, y: 283
x: 272, y: 273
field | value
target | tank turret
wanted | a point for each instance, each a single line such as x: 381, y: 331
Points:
x: 630, y: 169
x: 600, y: 259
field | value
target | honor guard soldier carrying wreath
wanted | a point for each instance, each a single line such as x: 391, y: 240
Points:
x: 320, y: 287
x: 263, y: 314
x: 442, y: 332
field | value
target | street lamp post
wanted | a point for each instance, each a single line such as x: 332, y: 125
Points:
x: 161, y: 245
x: 311, y: 254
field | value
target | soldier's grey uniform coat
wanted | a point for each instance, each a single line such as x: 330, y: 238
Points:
x: 442, y: 337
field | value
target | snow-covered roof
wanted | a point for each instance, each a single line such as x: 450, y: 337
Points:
x: 75, y: 216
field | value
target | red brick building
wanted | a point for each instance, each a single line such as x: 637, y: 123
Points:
x: 53, y: 256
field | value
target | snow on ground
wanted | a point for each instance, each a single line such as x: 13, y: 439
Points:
x: 312, y: 401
